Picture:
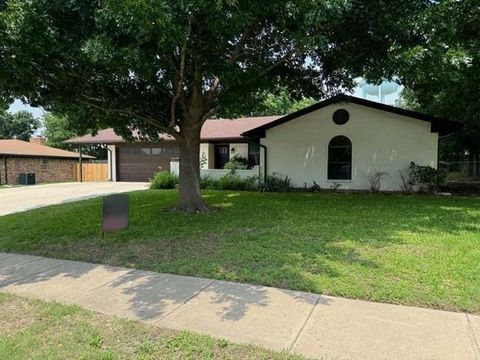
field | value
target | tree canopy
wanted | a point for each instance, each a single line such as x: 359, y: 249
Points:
x: 279, y: 103
x: 442, y: 74
x: 20, y: 125
x: 57, y: 129
x: 161, y: 65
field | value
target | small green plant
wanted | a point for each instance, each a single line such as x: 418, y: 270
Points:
x: 164, y: 180
x: 428, y: 177
x: 236, y: 163
x: 275, y: 183
x: 145, y: 349
x: 96, y: 341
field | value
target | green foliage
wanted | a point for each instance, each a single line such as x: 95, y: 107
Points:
x: 442, y: 73
x: 229, y: 182
x: 20, y: 125
x: 164, y: 180
x: 428, y: 176
x: 237, y: 162
x: 57, y: 129
x: 275, y: 183
x: 118, y: 63
x: 280, y: 102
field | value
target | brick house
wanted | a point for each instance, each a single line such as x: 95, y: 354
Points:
x: 49, y: 164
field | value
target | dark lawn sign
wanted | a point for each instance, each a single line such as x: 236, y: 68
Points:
x: 115, y: 213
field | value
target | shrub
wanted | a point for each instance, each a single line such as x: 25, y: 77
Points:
x: 228, y: 182
x: 428, y: 176
x: 314, y: 188
x: 236, y: 163
x: 164, y: 180
x: 206, y: 182
x: 375, y: 179
x: 407, y: 181
x: 234, y: 182
x: 275, y: 183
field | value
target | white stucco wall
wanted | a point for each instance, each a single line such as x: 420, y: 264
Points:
x: 205, y: 154
x: 239, y: 149
x: 381, y: 141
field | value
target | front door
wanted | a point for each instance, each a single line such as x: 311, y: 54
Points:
x: 222, y: 155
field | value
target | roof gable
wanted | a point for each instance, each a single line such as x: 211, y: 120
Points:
x: 441, y: 126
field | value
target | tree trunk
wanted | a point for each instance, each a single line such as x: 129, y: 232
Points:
x: 190, y: 199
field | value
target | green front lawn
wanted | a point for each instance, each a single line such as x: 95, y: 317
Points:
x: 31, y: 329
x: 414, y: 250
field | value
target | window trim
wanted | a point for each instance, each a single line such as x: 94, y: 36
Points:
x: 328, y: 179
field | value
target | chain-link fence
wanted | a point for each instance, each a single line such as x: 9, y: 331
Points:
x: 462, y: 170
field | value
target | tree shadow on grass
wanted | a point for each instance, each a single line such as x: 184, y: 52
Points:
x: 283, y: 240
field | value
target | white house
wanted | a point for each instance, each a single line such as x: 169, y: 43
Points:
x: 340, y: 141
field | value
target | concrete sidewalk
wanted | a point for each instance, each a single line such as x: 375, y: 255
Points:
x: 309, y: 324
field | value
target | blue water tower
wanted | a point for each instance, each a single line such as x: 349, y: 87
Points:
x: 380, y: 91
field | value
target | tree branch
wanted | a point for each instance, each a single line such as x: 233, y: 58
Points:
x: 89, y: 101
x: 209, y: 113
x: 281, y: 60
x: 180, y: 74
x: 237, y: 51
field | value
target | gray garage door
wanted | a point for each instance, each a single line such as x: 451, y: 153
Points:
x: 139, y: 163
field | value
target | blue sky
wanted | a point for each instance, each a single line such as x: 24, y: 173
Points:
x: 19, y: 106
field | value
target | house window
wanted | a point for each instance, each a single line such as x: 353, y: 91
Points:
x: 253, y: 154
x: 340, y: 116
x: 340, y: 158
x: 44, y: 165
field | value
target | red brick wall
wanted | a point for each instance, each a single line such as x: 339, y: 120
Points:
x: 45, y: 169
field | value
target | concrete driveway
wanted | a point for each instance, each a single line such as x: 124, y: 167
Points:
x: 24, y: 198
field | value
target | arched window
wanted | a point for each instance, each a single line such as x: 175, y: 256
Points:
x: 340, y: 158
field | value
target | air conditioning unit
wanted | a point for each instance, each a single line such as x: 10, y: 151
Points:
x: 26, y: 178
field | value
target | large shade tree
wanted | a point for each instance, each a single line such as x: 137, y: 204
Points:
x: 442, y: 74
x: 167, y: 65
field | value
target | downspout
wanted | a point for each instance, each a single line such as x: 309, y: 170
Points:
x: 5, y: 169
x: 80, y: 161
x: 264, y: 161
x: 110, y: 163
